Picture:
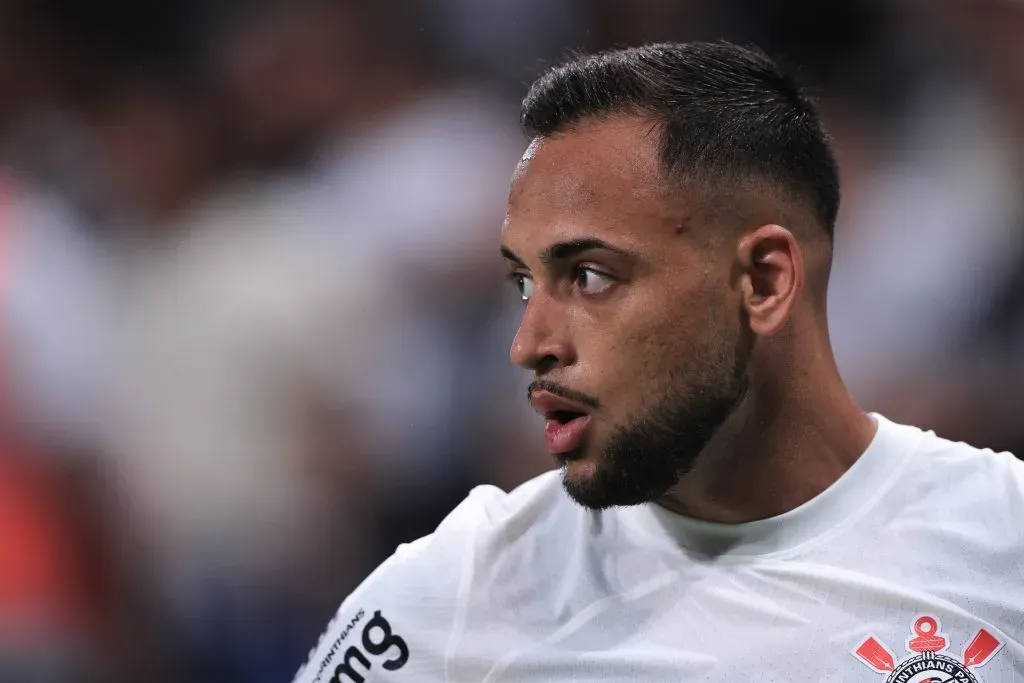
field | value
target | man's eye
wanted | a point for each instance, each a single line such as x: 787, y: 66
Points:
x: 591, y: 281
x: 523, y: 285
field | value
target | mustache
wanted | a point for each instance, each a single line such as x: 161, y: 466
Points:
x: 562, y: 392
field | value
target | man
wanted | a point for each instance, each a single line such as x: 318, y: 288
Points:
x: 726, y: 512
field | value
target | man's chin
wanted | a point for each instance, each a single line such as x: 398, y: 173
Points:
x: 598, y: 483
x: 580, y: 469
x: 583, y: 480
x: 569, y: 457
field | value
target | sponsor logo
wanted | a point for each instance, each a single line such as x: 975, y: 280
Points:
x: 319, y: 641
x: 329, y: 657
x: 380, y: 645
x: 929, y: 660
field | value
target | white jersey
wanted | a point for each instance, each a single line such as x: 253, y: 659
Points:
x: 910, y: 568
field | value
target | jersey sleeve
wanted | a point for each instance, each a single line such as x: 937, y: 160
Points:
x: 395, y: 627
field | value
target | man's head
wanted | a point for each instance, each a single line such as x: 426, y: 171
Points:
x: 653, y: 230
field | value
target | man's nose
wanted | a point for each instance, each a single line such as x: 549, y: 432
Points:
x: 542, y: 341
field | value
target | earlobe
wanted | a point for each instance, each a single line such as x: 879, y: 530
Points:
x: 773, y: 280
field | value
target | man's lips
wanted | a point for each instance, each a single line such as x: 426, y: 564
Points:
x: 565, y: 421
x: 551, y: 406
x: 564, y: 437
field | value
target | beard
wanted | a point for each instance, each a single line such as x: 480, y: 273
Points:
x: 646, y: 457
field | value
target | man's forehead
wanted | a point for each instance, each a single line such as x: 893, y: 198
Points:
x: 601, y: 179
x: 618, y: 156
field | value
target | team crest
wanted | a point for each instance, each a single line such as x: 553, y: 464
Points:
x: 930, y: 660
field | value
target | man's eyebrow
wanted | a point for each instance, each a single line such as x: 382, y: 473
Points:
x: 563, y: 251
x: 511, y: 256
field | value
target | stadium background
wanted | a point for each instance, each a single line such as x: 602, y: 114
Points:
x: 254, y: 328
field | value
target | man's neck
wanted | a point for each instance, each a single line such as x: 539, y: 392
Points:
x: 784, y: 445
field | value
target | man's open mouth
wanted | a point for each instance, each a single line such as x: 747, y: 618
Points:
x: 564, y: 416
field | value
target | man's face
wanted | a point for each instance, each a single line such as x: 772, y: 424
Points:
x: 631, y: 328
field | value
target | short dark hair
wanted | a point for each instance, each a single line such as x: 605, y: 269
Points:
x: 726, y: 113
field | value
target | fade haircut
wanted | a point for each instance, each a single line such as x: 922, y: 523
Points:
x: 726, y: 114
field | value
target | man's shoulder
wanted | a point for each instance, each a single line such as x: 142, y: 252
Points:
x: 412, y: 601
x: 945, y: 457
x: 973, y: 482
x: 487, y: 517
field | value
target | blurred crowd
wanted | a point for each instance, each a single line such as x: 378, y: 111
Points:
x: 254, y: 325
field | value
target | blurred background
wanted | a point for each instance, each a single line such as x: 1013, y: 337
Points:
x: 253, y: 329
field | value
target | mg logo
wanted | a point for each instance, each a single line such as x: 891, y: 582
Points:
x: 380, y: 645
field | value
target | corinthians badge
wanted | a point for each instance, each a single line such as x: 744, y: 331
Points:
x: 929, y: 660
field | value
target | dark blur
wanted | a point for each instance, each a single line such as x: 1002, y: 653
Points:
x: 254, y: 327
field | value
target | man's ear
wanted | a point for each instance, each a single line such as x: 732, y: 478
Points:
x: 772, y: 277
